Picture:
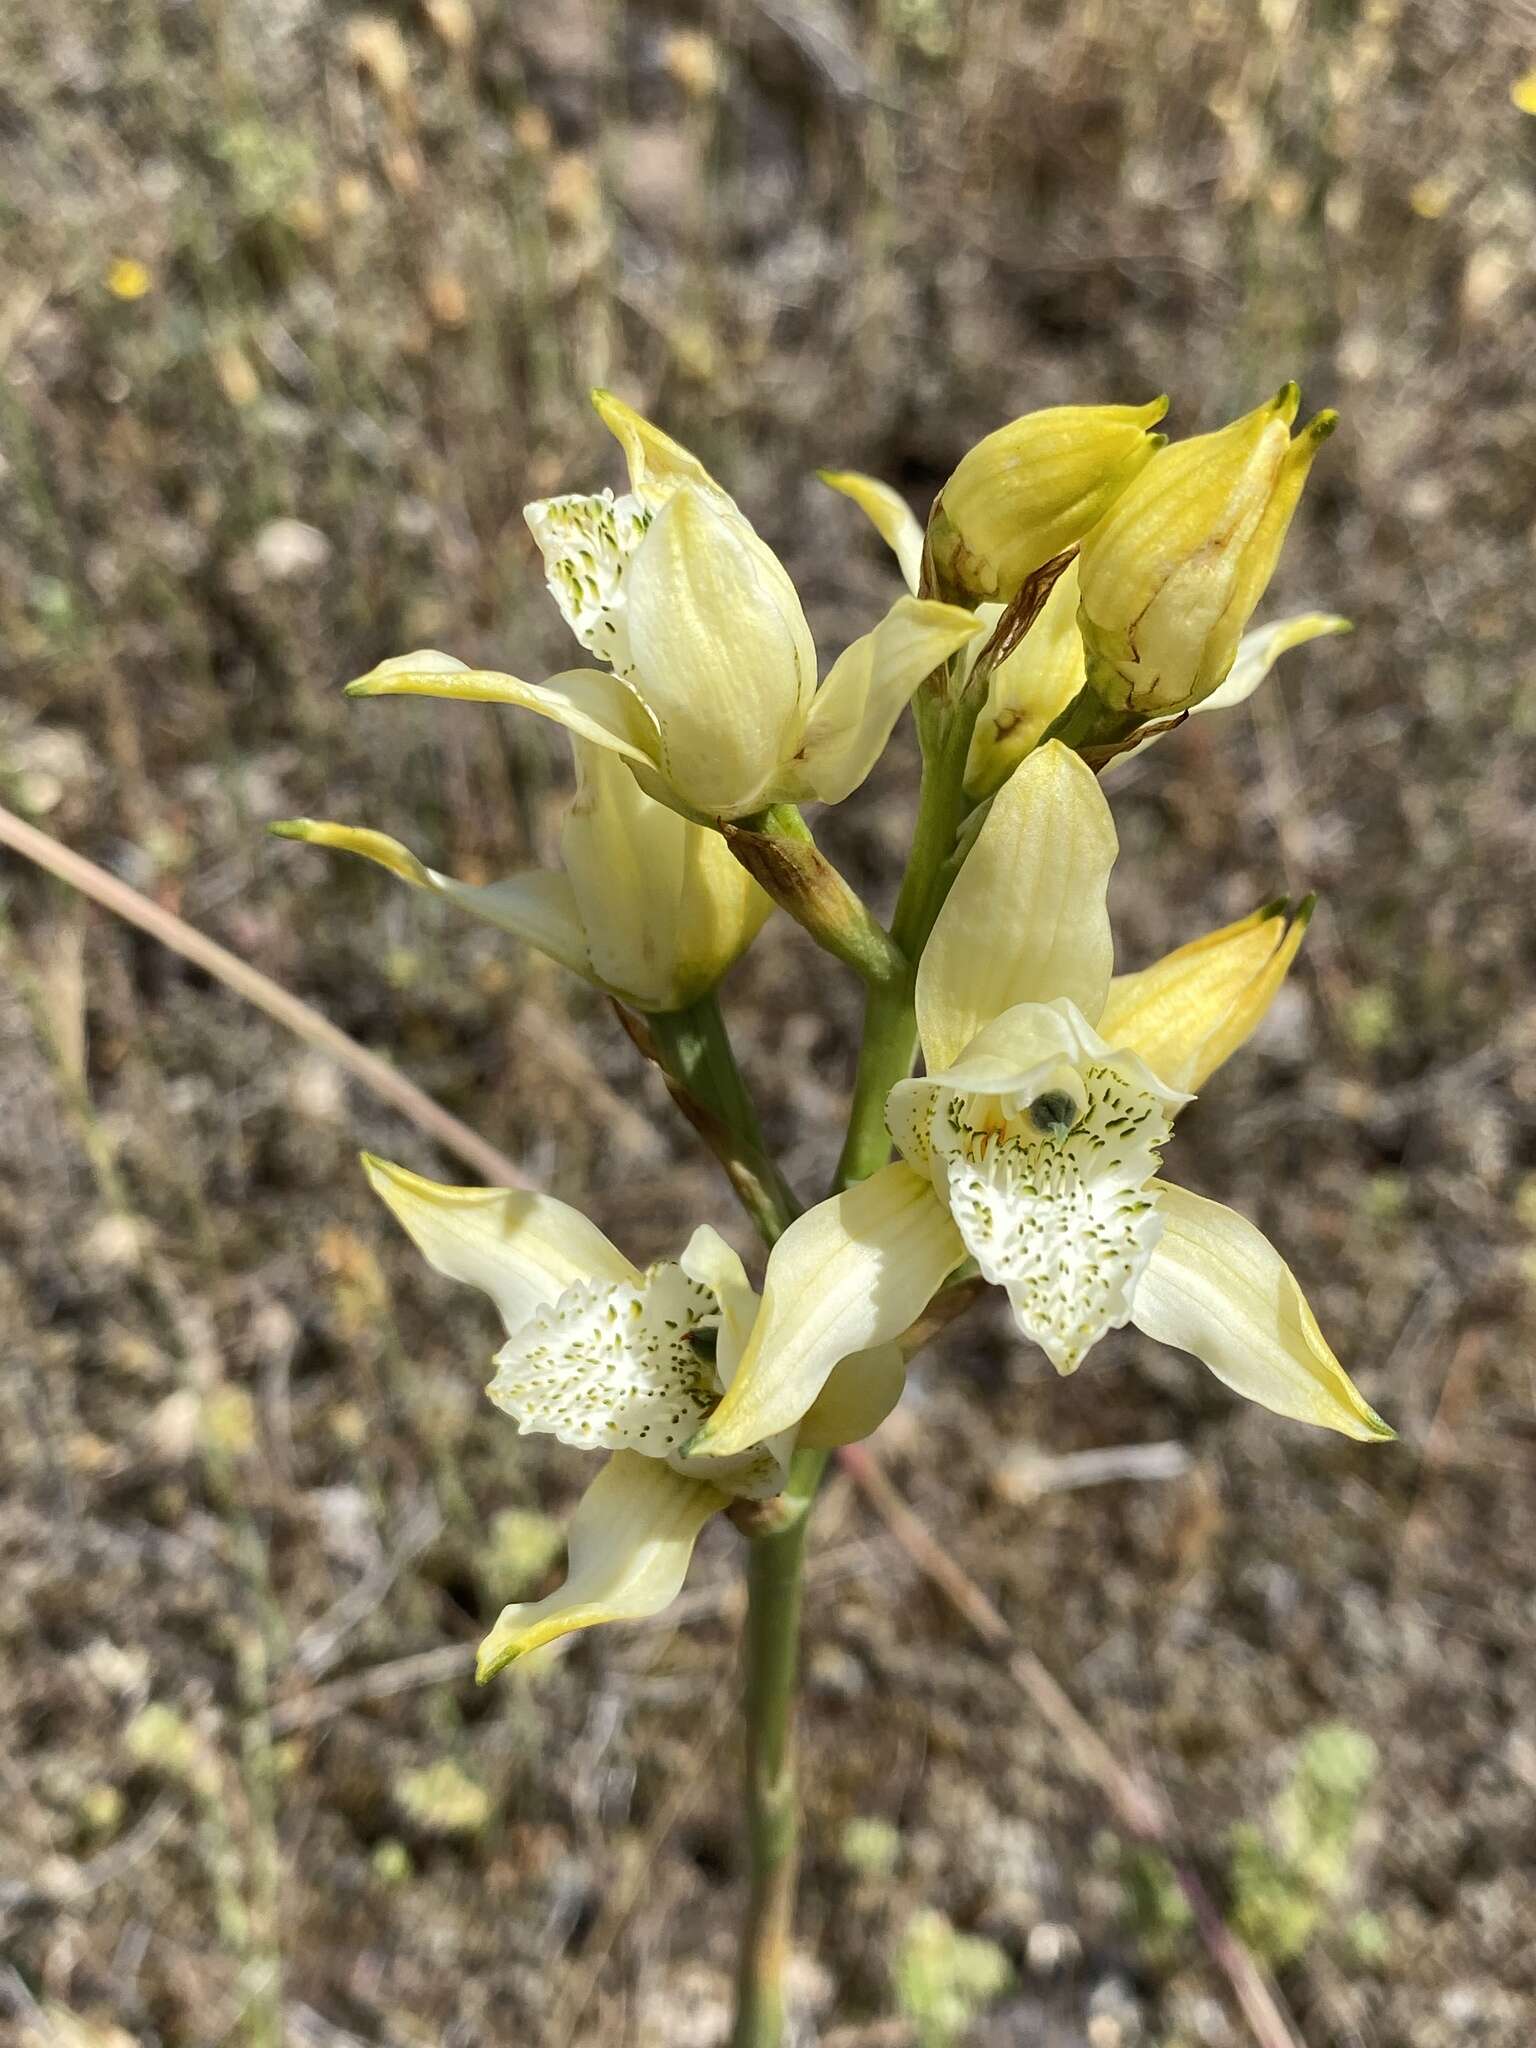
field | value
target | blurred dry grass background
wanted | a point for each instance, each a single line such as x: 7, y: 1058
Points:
x: 297, y: 308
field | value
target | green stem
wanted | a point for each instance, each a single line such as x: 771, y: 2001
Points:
x: 775, y: 1562
x: 771, y: 1660
x: 696, y: 1054
x: 699, y: 1055
x: 890, y: 1026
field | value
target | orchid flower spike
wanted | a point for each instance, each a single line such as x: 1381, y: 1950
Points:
x: 606, y: 1357
x: 647, y: 906
x: 709, y: 692
x: 1051, y: 1091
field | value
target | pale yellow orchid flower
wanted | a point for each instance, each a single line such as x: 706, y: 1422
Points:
x: 711, y: 693
x: 646, y: 906
x: 1051, y: 1092
x: 1172, y: 573
x: 606, y: 1357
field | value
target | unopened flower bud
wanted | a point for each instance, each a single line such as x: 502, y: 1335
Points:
x: 1033, y: 489
x: 1027, y: 689
x: 1172, y: 575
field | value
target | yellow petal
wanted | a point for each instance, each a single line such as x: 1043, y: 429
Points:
x: 664, y: 904
x: 657, y: 463
x: 762, y: 1470
x: 1014, y: 1056
x: 1171, y: 576
x: 630, y: 1543
x: 719, y: 651
x: 1258, y: 651
x: 708, y: 1259
x: 1257, y: 560
x: 847, y: 1276
x: 586, y: 701
x: 1192, y: 1009
x: 540, y: 908
x: 1025, y: 921
x: 866, y: 691
x: 857, y: 1398
x: 890, y: 515
x: 521, y: 1249
x: 378, y: 847
x: 1216, y: 1287
x: 1028, y: 690
x: 1034, y: 488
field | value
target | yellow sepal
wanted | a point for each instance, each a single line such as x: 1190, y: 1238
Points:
x: 1192, y: 1009
x: 630, y: 1543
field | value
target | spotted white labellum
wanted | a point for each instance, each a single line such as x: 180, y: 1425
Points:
x: 586, y: 543
x: 614, y: 1367
x: 1042, y: 1141
x: 629, y: 1366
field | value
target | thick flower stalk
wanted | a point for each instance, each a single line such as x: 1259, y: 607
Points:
x: 709, y: 686
x: 606, y: 1357
x: 1051, y: 1092
x: 645, y: 905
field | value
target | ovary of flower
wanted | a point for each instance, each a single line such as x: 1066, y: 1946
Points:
x: 607, y: 1357
x: 711, y: 693
x: 647, y: 906
x: 1051, y: 1091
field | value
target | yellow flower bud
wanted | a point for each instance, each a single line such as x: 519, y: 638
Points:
x: 1172, y: 575
x: 1027, y: 690
x: 1034, y: 488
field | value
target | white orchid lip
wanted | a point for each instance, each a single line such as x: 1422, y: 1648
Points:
x: 1046, y: 1164
x: 587, y: 543
x: 613, y: 1366
x: 631, y: 1366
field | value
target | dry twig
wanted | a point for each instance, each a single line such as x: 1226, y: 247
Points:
x: 299, y: 1017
